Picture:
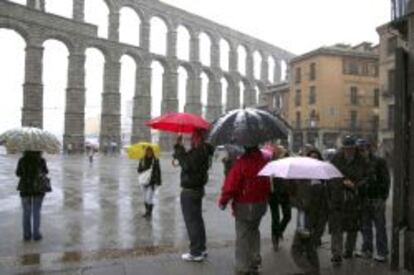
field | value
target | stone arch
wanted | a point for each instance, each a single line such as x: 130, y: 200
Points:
x: 95, y: 44
x: 134, y: 55
x: 242, y: 52
x: 257, y: 63
x: 206, y: 41
x: 22, y: 29
x: 188, y: 67
x: 158, y: 35
x: 12, y: 66
x: 284, y: 70
x: 55, y: 73
x: 161, y: 60
x: 127, y: 87
x: 96, y: 56
x: 183, y: 84
x: 225, y: 48
x: 206, y: 78
x: 226, y: 83
x: 272, y: 69
x: 140, y: 13
x: 261, y: 89
x: 129, y: 16
x: 67, y: 41
x: 183, y: 47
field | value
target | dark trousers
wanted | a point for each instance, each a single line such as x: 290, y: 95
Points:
x: 337, y: 242
x: 247, y: 250
x: 191, y: 206
x: 304, y: 253
x: 276, y: 204
x: 373, y: 214
x: 31, y: 212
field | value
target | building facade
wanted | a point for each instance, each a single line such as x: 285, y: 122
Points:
x: 389, y: 41
x: 334, y: 91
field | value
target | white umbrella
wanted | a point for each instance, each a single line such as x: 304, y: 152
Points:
x: 300, y: 168
x: 30, y: 139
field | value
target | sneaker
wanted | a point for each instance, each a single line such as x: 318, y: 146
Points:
x: 363, y: 254
x: 204, y: 254
x: 380, y: 259
x: 191, y: 258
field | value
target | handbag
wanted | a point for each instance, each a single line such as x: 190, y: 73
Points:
x: 42, y: 183
x: 144, y: 177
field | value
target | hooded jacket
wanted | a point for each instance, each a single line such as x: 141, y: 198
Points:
x: 242, y: 185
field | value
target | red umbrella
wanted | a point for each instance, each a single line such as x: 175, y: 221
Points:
x: 178, y: 123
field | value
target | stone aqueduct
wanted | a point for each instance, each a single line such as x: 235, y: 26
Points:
x: 36, y: 26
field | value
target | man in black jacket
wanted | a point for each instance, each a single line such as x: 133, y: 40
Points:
x: 194, y: 175
x: 374, y: 194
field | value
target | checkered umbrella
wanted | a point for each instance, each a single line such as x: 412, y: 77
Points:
x: 30, y: 139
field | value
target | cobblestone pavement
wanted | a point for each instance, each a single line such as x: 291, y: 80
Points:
x: 92, y: 224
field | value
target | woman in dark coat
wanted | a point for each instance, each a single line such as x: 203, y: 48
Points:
x: 29, y: 167
x: 150, y: 162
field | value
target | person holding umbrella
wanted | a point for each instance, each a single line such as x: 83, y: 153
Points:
x: 29, y: 168
x: 195, y: 164
x: 151, y: 165
x: 248, y: 193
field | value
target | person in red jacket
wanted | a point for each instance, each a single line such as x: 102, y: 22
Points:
x: 248, y: 194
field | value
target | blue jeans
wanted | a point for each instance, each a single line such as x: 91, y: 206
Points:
x: 31, y: 210
x: 373, y: 214
x: 191, y: 206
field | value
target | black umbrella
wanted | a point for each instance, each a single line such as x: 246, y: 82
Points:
x: 247, y: 127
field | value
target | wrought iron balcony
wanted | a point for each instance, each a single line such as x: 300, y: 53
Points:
x: 399, y: 12
x: 399, y: 9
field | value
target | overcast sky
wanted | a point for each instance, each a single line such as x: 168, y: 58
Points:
x: 295, y: 25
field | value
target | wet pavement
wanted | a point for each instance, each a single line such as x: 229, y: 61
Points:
x: 92, y: 224
x: 98, y: 207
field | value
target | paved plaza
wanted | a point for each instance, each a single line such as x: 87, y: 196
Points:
x: 92, y: 224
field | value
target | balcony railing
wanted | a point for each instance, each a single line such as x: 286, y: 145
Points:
x: 399, y: 9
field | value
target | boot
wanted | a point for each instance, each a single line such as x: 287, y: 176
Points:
x: 146, y: 214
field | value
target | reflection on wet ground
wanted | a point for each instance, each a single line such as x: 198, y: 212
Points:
x: 95, y: 210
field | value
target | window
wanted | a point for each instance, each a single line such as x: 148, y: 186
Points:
x: 392, y: 45
x: 312, y: 95
x: 391, y: 81
x: 353, y: 68
x: 298, y: 118
x: 353, y: 122
x: 312, y: 71
x: 298, y: 97
x: 312, y: 119
x: 390, y: 117
x: 376, y: 97
x: 354, y: 95
x: 298, y: 75
x: 277, y: 102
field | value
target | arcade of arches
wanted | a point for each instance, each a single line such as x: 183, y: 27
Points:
x: 220, y: 67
